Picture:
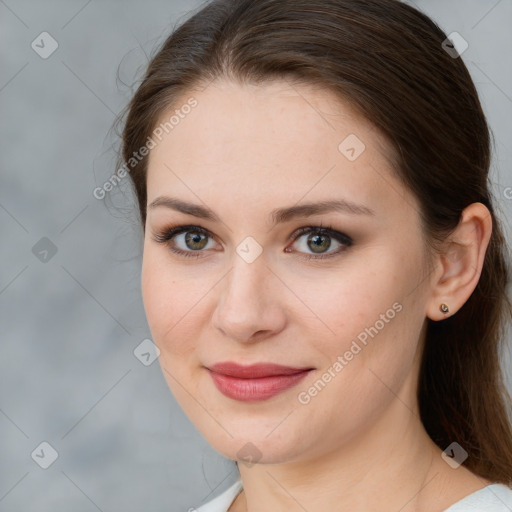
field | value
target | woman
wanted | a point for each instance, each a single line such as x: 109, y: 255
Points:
x: 323, y: 270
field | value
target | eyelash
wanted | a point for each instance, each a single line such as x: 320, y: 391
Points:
x: 166, y: 236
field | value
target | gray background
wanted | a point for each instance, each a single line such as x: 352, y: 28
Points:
x: 69, y: 325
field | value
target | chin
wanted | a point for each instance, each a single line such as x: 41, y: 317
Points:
x: 255, y: 446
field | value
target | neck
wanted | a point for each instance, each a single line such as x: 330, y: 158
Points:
x: 394, y: 465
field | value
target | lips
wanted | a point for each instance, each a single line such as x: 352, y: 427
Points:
x: 254, y: 382
x: 254, y: 371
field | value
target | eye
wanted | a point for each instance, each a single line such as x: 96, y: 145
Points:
x: 193, y: 239
x: 319, y: 241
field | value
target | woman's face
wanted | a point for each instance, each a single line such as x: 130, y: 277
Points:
x: 244, y: 290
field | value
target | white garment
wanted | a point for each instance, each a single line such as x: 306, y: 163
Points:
x: 222, y: 502
x: 493, y: 498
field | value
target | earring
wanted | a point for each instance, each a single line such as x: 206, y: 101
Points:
x: 444, y: 308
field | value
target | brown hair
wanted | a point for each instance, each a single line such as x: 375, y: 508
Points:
x: 387, y: 59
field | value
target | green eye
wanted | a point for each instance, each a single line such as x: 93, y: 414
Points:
x: 319, y: 240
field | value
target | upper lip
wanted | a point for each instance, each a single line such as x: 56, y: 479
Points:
x: 254, y: 371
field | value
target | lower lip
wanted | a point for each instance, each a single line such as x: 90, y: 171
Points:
x: 251, y: 390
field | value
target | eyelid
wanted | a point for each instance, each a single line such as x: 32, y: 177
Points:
x: 165, y: 234
x: 325, y: 230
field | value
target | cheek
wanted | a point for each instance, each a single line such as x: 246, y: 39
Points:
x: 165, y: 298
x: 169, y: 306
x: 368, y: 314
x: 354, y: 295
x: 156, y: 292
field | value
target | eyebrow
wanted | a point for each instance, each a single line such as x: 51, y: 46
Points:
x: 277, y: 216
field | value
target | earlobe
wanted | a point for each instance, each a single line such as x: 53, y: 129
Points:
x: 461, y: 262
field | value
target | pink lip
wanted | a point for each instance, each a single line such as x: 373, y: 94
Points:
x: 255, y: 382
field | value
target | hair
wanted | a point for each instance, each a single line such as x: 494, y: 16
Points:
x: 386, y: 59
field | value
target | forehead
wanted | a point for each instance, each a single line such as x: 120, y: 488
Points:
x: 277, y: 140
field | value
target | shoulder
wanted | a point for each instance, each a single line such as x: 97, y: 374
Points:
x: 492, y: 498
x: 223, y: 501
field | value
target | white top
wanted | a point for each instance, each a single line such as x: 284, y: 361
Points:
x: 493, y: 498
x: 222, y: 502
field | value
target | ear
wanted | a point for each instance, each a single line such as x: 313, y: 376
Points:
x: 460, y: 264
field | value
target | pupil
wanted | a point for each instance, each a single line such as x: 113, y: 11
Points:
x: 196, y: 238
x: 318, y: 240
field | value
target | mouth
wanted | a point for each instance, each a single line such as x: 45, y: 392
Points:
x: 254, y: 382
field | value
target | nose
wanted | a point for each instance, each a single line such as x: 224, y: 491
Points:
x: 249, y: 307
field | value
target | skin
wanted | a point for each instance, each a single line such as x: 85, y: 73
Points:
x: 359, y: 443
